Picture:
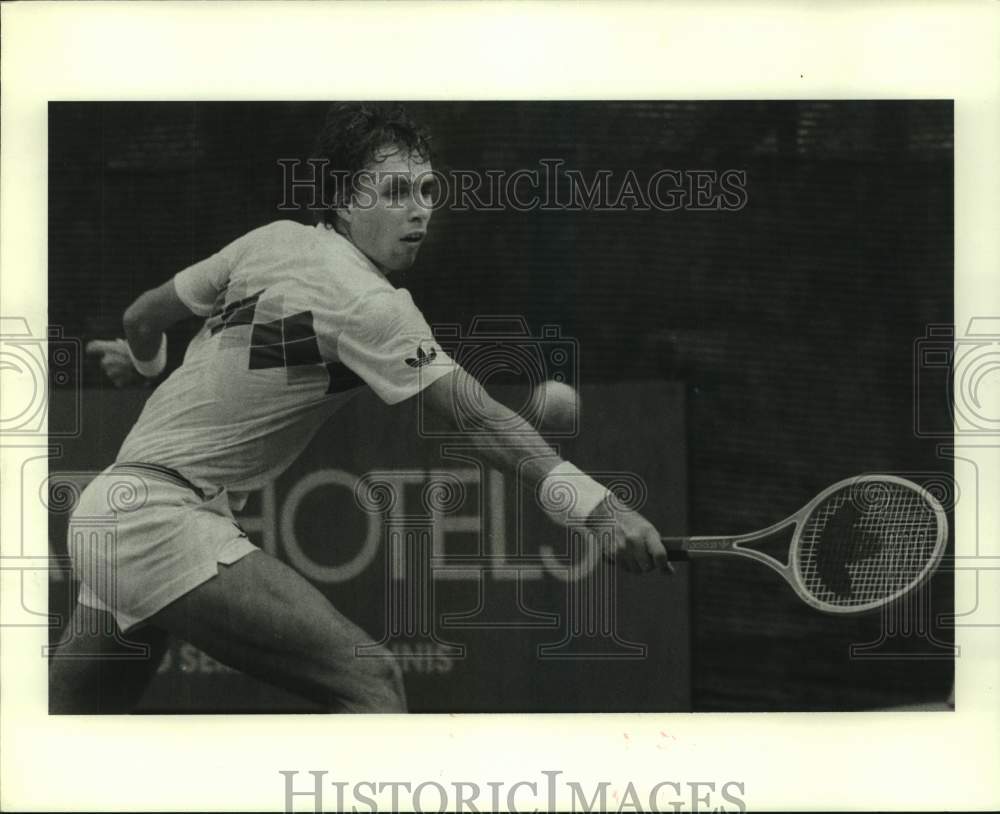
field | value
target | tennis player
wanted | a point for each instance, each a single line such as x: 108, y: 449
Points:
x: 298, y: 320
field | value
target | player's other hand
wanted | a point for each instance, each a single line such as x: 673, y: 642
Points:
x: 115, y: 360
x: 637, y: 546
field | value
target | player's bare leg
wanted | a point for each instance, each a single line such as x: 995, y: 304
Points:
x: 96, y: 671
x: 261, y: 617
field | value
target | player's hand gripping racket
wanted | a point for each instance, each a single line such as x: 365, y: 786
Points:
x: 858, y: 545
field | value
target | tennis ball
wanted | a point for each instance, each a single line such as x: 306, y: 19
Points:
x: 555, y: 407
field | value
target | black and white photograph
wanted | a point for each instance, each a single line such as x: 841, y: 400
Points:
x: 340, y: 358
x: 498, y: 407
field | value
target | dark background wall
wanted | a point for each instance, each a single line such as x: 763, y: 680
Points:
x: 792, y: 321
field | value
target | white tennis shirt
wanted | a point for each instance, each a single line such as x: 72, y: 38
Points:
x: 298, y: 320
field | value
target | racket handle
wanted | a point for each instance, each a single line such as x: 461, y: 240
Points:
x: 677, y: 548
x: 682, y: 548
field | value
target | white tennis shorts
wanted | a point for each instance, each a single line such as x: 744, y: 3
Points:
x: 142, y: 536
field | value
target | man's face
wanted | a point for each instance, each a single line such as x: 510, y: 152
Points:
x: 389, y: 213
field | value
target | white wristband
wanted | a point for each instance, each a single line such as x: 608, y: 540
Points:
x: 567, y: 494
x: 151, y: 368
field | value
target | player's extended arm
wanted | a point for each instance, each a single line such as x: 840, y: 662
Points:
x: 512, y: 444
x: 144, y: 347
x: 149, y: 316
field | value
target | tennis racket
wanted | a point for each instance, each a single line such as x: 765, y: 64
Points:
x: 858, y: 545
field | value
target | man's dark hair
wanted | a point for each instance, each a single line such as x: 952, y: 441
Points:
x: 355, y: 132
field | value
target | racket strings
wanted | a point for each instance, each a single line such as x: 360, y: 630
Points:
x: 866, y: 542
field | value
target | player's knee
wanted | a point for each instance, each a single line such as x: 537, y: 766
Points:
x: 377, y: 682
x: 396, y: 678
x: 382, y: 669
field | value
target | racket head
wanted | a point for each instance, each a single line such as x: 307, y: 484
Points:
x: 864, y: 542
